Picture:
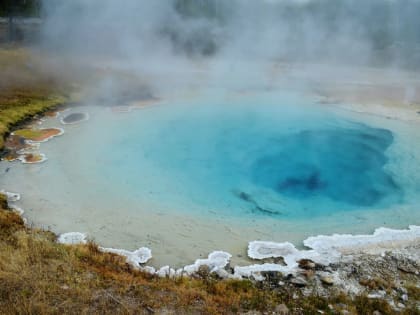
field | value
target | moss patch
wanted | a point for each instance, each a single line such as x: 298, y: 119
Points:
x: 15, y: 108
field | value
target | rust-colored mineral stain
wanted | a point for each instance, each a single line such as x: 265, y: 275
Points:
x: 32, y: 158
x: 38, y: 135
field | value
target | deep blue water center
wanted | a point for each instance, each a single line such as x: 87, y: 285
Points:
x: 342, y: 164
x: 244, y: 160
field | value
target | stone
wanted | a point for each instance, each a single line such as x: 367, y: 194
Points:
x: 222, y: 273
x: 281, y: 309
x: 272, y: 276
x: 407, y: 268
x: 376, y: 313
x: 306, y: 264
x: 377, y: 295
x: 404, y: 297
x: 328, y: 280
x: 308, y: 273
x: 299, y: 281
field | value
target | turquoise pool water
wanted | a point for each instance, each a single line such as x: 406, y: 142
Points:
x: 202, y: 173
x: 252, y: 160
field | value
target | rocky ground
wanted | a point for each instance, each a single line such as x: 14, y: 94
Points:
x: 391, y: 276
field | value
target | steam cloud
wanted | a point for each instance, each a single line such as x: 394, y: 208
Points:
x: 290, y: 29
x: 166, y: 35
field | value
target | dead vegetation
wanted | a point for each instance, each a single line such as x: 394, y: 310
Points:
x: 39, y: 276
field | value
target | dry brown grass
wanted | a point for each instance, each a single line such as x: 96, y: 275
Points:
x: 39, y: 276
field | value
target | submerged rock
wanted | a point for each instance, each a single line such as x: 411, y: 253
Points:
x: 248, y: 198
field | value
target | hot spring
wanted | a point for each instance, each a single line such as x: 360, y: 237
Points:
x: 203, y: 173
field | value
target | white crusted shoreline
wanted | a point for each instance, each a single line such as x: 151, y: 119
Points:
x: 11, y: 196
x: 324, y: 250
x: 72, y: 238
x: 135, y: 258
